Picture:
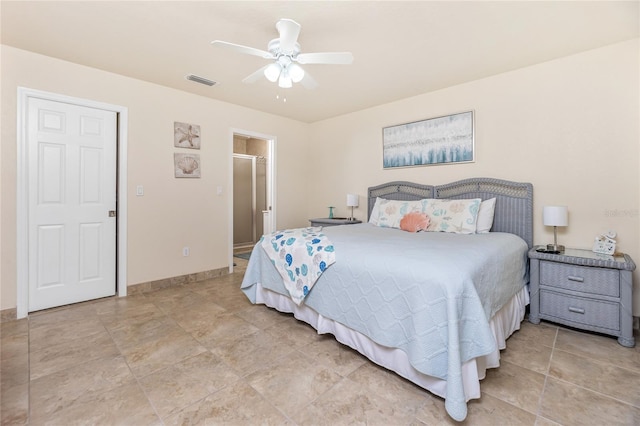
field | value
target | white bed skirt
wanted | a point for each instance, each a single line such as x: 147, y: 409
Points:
x: 503, y: 324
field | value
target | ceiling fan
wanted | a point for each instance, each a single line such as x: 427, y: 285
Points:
x: 284, y: 52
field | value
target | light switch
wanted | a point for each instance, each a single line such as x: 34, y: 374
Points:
x: 139, y: 190
x: 219, y: 192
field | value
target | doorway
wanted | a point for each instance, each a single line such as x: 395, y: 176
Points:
x: 252, y: 191
x: 249, y: 191
x: 71, y: 238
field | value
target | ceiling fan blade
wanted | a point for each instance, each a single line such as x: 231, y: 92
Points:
x: 253, y: 77
x: 334, y: 58
x: 289, y: 31
x: 308, y: 82
x: 243, y: 49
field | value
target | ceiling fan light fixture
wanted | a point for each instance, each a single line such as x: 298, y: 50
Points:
x: 284, y: 52
x: 296, y: 72
x: 272, y: 72
x: 285, y: 80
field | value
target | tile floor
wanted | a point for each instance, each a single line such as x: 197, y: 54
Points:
x: 202, y: 354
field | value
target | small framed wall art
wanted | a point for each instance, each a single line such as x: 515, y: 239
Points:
x: 186, y: 165
x: 441, y: 140
x: 186, y: 135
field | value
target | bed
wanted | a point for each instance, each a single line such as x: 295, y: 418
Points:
x: 434, y: 307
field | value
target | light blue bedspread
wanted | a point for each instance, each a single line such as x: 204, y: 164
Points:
x: 430, y: 294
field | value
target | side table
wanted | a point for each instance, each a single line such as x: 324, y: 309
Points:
x: 584, y: 290
x: 333, y: 221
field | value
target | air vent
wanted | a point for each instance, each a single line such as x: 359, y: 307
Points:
x: 200, y: 80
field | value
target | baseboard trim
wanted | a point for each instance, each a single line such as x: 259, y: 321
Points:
x: 149, y: 286
x: 11, y: 314
x: 7, y: 315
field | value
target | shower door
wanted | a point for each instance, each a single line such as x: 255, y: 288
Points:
x: 244, y: 167
x: 249, y: 198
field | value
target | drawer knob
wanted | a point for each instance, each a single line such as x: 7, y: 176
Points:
x: 576, y: 279
x: 576, y: 310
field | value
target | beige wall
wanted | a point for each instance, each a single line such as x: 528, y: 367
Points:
x: 552, y: 124
x: 173, y: 212
x: 569, y: 126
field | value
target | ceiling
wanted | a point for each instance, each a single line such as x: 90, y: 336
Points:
x: 400, y: 49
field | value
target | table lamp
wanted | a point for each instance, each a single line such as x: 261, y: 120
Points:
x: 352, y: 201
x: 555, y: 216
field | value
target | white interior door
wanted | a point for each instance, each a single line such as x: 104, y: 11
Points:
x: 72, y: 154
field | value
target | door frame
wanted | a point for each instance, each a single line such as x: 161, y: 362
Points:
x: 22, y: 198
x: 271, y: 178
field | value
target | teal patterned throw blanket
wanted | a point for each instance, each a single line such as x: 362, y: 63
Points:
x: 300, y: 256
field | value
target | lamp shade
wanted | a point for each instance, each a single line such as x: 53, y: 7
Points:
x: 285, y: 80
x: 352, y: 200
x: 272, y: 72
x: 295, y: 72
x: 555, y: 216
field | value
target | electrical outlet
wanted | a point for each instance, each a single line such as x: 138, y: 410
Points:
x: 185, y: 251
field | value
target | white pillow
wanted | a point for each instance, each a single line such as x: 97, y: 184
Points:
x: 373, y: 218
x: 391, y: 212
x: 485, y: 216
x: 456, y: 216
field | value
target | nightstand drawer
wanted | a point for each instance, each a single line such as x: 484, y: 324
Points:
x: 580, y: 311
x: 580, y: 278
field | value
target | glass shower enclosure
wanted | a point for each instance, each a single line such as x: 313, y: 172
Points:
x: 249, y: 198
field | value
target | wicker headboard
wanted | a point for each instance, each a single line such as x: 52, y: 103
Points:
x: 514, y: 204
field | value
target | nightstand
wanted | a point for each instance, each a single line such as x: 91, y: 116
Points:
x: 584, y: 290
x: 333, y: 222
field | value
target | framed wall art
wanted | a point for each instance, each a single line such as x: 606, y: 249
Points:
x: 186, y: 135
x: 441, y: 140
x: 186, y: 165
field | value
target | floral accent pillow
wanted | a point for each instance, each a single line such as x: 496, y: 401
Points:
x: 457, y: 216
x: 414, y: 222
x: 391, y: 212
